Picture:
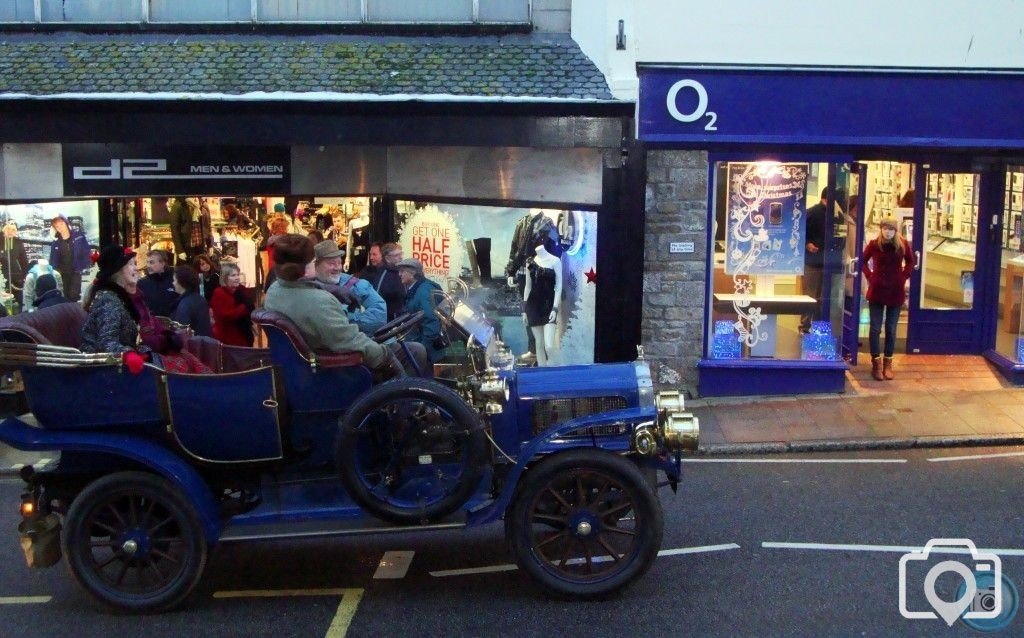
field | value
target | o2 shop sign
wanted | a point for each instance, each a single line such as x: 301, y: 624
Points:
x: 694, y: 98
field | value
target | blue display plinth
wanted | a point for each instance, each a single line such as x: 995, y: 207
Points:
x: 819, y: 344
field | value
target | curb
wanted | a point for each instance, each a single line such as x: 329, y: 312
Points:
x: 846, y: 445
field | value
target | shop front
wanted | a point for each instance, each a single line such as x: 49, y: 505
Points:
x: 802, y: 165
x: 476, y: 199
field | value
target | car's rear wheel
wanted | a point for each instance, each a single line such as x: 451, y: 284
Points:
x: 134, y: 542
x: 585, y: 523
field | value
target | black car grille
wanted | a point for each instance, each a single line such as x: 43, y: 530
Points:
x: 547, y: 412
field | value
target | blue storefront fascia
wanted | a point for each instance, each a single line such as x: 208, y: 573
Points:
x: 722, y: 108
x: 835, y: 107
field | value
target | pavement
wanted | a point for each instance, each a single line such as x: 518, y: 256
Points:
x: 934, y: 401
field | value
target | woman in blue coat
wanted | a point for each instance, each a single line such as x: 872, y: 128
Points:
x: 418, y: 297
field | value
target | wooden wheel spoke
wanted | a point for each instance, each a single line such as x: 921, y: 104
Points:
x: 133, y: 511
x: 162, y: 554
x: 608, y: 548
x: 550, y: 519
x: 590, y: 557
x: 552, y: 538
x: 601, y: 492
x: 565, y: 554
x: 170, y: 540
x: 156, y: 570
x: 108, y: 542
x: 117, y: 515
x: 615, y: 509
x: 581, y: 494
x: 153, y: 529
x: 558, y: 497
x: 113, y: 557
x: 121, y: 574
x: 619, y: 530
x: 103, y: 525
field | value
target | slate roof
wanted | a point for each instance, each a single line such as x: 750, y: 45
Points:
x: 226, y: 67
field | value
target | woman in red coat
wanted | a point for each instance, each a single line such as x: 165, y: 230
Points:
x: 231, y: 309
x: 886, y: 263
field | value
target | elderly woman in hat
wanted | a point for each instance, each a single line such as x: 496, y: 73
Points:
x: 120, y: 322
x: 887, y: 263
x: 418, y: 296
x: 316, y: 313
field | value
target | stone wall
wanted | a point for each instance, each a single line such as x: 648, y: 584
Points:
x: 673, y: 305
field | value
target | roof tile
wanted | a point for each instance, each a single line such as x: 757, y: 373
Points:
x: 126, y: 64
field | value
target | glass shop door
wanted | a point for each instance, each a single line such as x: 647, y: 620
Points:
x: 948, y: 230
x: 854, y: 182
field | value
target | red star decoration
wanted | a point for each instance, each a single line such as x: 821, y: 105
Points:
x: 591, y: 276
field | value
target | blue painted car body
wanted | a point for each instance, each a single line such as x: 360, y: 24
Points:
x: 254, y: 450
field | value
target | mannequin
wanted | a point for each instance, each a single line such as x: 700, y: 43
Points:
x: 14, y: 260
x: 528, y: 229
x: 542, y: 294
x: 190, y: 226
x: 533, y: 227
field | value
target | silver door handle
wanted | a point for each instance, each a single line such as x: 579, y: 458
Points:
x: 917, y: 260
x: 851, y: 267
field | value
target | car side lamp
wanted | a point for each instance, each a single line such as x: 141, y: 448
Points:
x: 680, y: 430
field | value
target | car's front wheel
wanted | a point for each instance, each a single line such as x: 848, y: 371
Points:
x: 585, y: 523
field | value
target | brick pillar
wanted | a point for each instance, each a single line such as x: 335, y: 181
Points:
x: 673, y: 323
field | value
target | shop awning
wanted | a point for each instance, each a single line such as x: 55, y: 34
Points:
x: 516, y: 68
x: 703, y: 105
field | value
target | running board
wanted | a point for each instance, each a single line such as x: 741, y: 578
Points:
x: 322, y: 529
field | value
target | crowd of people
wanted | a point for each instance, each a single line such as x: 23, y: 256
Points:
x: 334, y: 311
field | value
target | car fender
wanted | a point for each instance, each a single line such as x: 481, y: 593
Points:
x: 545, y: 443
x: 22, y: 436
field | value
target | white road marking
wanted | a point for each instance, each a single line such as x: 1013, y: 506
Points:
x: 575, y: 561
x: 973, y: 457
x: 282, y: 593
x: 794, y: 460
x: 342, y: 617
x: 394, y: 565
x: 473, y: 570
x: 43, y: 461
x: 895, y: 549
x: 24, y: 600
x: 698, y: 550
x: 17, y: 466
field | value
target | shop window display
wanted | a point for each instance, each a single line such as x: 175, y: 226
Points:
x: 532, y: 271
x: 773, y: 297
x: 30, y: 235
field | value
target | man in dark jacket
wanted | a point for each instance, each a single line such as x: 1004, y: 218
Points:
x: 158, y: 285
x: 47, y: 293
x: 69, y: 255
x: 382, y: 273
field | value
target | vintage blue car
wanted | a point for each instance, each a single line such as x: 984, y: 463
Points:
x: 156, y: 468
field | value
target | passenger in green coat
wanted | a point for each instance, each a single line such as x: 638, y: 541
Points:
x: 316, y: 313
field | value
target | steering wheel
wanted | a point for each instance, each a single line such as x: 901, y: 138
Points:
x: 398, y: 327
